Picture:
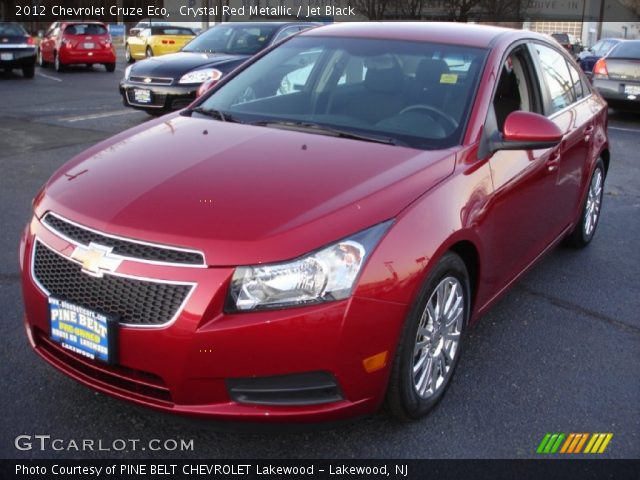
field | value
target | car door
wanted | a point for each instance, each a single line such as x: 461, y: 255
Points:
x: 569, y: 108
x: 517, y: 226
x: 47, y: 44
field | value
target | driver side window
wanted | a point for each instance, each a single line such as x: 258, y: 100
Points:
x: 514, y: 91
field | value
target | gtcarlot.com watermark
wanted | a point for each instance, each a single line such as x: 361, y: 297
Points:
x: 48, y: 443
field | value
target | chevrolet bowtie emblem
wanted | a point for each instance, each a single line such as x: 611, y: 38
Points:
x: 96, y: 259
x: 147, y: 80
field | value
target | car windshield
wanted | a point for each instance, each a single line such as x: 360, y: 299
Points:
x: 171, y: 31
x: 232, y: 39
x: 11, y: 30
x: 415, y: 94
x: 85, y: 29
x: 629, y: 49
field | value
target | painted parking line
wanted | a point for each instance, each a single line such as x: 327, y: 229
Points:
x: 49, y: 77
x: 623, y: 129
x: 93, y: 116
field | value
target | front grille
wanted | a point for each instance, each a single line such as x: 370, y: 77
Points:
x: 152, y: 80
x: 115, y: 377
x: 122, y: 247
x: 135, y: 302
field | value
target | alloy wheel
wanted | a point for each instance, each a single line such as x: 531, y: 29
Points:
x: 594, y: 201
x: 438, y: 337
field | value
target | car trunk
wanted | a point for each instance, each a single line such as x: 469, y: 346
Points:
x: 623, y: 68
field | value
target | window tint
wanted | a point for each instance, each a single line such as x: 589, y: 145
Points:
x: 629, y: 49
x: 85, y: 29
x: 12, y: 30
x: 557, y: 77
x: 577, y: 84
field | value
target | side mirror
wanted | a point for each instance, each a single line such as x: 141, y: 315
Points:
x: 526, y: 131
x: 134, y: 32
x: 205, y: 87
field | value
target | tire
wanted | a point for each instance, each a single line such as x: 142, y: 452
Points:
x: 413, y: 395
x: 148, y: 52
x: 585, y: 229
x: 57, y: 64
x: 127, y: 54
x: 29, y: 72
x: 111, y: 67
x: 41, y: 62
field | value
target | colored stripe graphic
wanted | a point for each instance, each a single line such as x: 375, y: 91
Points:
x: 574, y: 442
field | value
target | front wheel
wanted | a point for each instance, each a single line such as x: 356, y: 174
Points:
x: 431, y: 341
x: 149, y: 52
x: 127, y: 54
x: 29, y: 72
x: 584, y: 231
x: 57, y: 64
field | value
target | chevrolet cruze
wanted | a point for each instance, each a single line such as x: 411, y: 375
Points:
x: 314, y: 236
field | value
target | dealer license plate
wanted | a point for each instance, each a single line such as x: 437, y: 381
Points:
x: 83, y: 331
x: 632, y: 89
x: 142, y: 96
x: 6, y: 56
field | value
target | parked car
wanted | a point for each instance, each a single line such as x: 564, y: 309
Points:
x: 309, y: 255
x: 73, y: 43
x: 617, y: 76
x: 155, y: 41
x: 569, y: 42
x: 17, y: 49
x: 588, y: 58
x: 171, y: 82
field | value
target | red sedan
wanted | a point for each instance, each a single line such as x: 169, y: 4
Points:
x: 74, y: 43
x: 316, y: 234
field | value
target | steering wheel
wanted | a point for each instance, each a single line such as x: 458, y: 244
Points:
x: 445, y: 116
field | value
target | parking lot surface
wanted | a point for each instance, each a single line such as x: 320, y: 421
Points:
x: 559, y: 353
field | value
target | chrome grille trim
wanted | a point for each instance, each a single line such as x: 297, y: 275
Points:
x: 166, y: 324
x: 202, y: 264
x: 139, y: 79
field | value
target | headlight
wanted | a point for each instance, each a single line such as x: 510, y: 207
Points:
x: 325, y: 275
x: 127, y: 72
x: 200, y: 76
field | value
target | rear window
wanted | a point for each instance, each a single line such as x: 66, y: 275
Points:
x: 85, y: 29
x: 171, y: 31
x: 11, y: 30
x: 626, y: 50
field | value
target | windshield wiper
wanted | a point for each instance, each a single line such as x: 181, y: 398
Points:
x: 324, y: 130
x: 217, y: 114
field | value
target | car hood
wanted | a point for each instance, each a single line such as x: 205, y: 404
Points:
x: 177, y: 64
x: 242, y: 194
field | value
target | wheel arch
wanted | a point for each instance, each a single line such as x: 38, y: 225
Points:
x: 469, y: 254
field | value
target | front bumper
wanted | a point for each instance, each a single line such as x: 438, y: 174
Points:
x: 163, y: 97
x: 613, y: 91
x: 194, y: 365
x: 17, y: 57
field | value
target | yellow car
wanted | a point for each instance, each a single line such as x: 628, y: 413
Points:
x: 156, y: 40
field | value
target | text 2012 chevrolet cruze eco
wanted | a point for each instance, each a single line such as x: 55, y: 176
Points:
x: 305, y: 254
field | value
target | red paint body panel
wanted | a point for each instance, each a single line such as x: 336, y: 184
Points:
x: 71, y: 48
x: 246, y: 195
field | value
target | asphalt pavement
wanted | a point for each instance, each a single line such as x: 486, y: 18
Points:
x: 559, y: 353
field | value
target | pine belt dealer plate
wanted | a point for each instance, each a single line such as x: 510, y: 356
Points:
x: 141, y: 96
x: 83, y: 331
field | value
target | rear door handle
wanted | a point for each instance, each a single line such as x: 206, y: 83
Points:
x: 554, y: 162
x: 587, y: 132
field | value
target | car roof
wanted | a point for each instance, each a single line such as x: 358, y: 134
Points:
x: 440, y: 32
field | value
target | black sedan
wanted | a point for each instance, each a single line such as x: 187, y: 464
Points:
x: 617, y: 76
x: 170, y: 82
x: 17, y: 49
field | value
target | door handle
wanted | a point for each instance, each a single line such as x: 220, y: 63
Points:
x: 587, y: 132
x: 554, y: 162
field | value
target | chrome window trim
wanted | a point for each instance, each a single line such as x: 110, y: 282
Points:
x: 121, y: 275
x: 125, y: 239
